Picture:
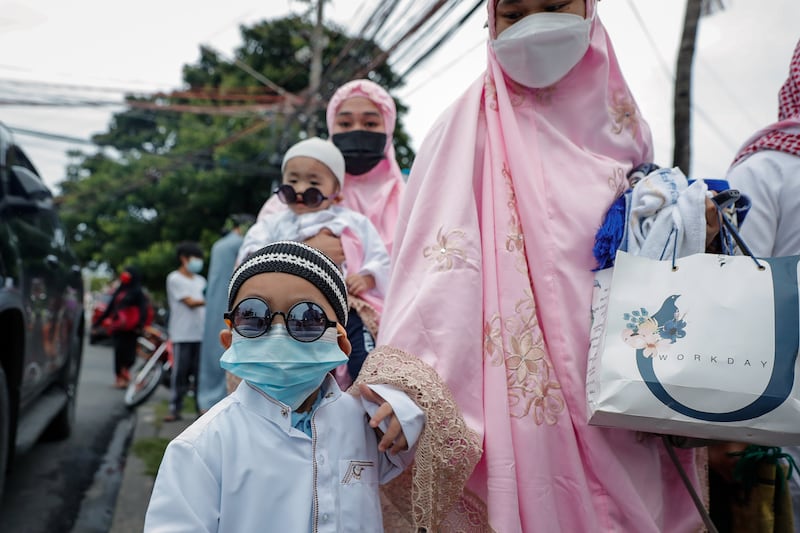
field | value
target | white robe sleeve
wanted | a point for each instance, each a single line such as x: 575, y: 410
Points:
x: 186, y: 494
x: 376, y: 258
x: 412, y: 420
x: 272, y: 206
x: 259, y: 235
x: 759, y: 178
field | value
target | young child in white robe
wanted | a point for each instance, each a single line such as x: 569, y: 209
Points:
x: 288, y: 450
x: 313, y: 179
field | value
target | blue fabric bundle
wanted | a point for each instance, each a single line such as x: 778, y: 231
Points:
x: 608, y: 238
x: 611, y: 235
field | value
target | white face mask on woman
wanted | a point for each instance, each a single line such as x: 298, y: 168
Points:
x: 541, y: 48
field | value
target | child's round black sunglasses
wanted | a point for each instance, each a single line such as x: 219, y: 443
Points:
x: 311, y: 197
x: 305, y: 321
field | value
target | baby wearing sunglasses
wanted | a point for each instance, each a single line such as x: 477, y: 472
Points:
x: 288, y: 450
x: 313, y: 178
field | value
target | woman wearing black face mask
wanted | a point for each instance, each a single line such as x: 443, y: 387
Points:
x: 362, y: 149
x: 361, y: 117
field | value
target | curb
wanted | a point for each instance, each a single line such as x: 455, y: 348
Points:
x: 134, y: 493
x: 100, y: 499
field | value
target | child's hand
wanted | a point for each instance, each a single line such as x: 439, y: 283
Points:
x: 394, y: 437
x: 358, y: 283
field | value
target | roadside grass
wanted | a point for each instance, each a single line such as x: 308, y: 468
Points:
x: 151, y: 449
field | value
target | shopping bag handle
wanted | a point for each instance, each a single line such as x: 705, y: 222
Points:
x: 721, y: 200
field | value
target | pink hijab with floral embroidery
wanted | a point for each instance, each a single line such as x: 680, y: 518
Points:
x: 492, y: 284
x: 375, y: 194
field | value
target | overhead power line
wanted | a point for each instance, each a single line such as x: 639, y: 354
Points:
x: 378, y: 61
x: 409, y: 32
x: 417, y: 30
x: 58, y: 103
x: 399, y: 29
x: 148, y: 84
x: 741, y: 108
x: 373, y: 24
x: 49, y: 136
x: 68, y: 86
x: 723, y: 137
x: 256, y: 75
x: 242, y: 110
x: 227, y: 95
x: 407, y: 50
x: 446, y: 36
x: 444, y: 69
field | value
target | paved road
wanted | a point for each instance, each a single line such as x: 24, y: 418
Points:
x: 47, y: 484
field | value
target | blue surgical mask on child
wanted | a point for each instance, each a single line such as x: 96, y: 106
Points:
x: 283, y: 368
x: 195, y: 265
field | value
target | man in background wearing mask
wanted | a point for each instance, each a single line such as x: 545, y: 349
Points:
x: 187, y: 313
x: 211, y: 382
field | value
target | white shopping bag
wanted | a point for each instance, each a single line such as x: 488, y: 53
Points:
x: 706, y: 349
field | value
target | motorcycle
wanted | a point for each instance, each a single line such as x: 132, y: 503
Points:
x: 155, y: 362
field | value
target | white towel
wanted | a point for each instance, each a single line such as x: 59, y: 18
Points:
x: 665, y: 212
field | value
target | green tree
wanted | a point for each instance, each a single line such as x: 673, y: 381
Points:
x: 172, y: 167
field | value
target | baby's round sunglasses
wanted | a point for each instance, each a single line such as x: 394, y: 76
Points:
x: 305, y: 321
x: 311, y: 197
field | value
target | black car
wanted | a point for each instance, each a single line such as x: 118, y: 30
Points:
x: 41, y: 310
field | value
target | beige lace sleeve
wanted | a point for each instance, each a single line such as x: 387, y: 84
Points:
x: 447, y: 450
x: 369, y: 316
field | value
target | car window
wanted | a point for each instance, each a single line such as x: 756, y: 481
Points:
x: 24, y: 183
x: 33, y: 232
x: 23, y: 178
x: 16, y: 157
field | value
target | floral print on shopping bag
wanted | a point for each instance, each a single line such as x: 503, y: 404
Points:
x: 647, y: 332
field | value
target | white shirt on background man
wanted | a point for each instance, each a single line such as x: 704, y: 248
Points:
x: 772, y: 181
x: 185, y: 323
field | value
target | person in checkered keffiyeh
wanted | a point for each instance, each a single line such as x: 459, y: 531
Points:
x: 767, y: 169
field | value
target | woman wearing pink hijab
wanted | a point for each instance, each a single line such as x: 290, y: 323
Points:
x: 492, y: 283
x: 361, y: 118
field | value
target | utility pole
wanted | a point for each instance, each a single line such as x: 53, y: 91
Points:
x: 315, y: 75
x: 682, y: 104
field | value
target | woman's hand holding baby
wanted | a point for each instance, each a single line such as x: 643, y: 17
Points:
x: 329, y: 244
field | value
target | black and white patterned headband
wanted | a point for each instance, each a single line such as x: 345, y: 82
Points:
x: 300, y: 260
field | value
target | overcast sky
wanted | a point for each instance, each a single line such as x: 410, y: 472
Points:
x: 742, y: 60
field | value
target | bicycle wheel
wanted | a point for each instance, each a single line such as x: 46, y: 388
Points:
x: 146, y: 379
